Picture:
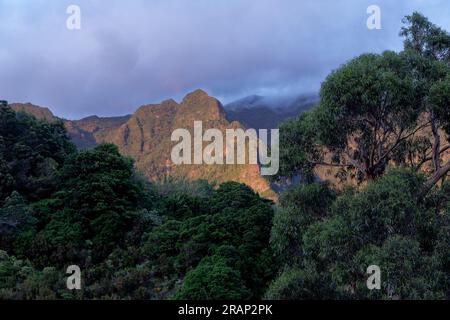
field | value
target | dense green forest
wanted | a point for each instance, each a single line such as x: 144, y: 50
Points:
x: 134, y: 239
x: 131, y: 239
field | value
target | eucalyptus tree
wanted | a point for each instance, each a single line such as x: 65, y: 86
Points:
x: 377, y: 110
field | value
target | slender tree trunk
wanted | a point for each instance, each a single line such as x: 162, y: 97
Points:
x: 431, y: 182
x: 437, y: 144
x: 439, y: 171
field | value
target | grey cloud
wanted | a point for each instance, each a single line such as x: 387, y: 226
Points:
x: 136, y: 52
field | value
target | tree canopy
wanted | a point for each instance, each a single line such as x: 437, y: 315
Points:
x: 382, y: 122
x: 379, y: 110
x: 382, y: 225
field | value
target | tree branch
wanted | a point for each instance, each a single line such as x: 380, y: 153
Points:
x: 341, y: 165
x: 431, y: 182
x: 437, y: 143
x: 430, y: 157
x: 400, y: 139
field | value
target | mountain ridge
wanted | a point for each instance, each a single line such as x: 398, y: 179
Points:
x: 145, y: 135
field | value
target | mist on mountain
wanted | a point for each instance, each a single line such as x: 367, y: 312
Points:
x: 267, y: 112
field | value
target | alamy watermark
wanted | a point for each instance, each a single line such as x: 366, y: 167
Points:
x: 73, y: 22
x: 74, y: 280
x: 229, y: 150
x: 374, y: 280
x: 374, y: 20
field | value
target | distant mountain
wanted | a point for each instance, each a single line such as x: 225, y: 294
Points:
x: 87, y: 132
x: 36, y: 111
x: 261, y: 112
x: 146, y: 136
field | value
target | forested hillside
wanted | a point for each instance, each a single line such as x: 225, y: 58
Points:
x: 131, y: 239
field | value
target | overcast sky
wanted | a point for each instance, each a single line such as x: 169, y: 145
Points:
x: 135, y: 52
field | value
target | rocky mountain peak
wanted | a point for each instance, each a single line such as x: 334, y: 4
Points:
x: 196, y: 96
x: 201, y: 106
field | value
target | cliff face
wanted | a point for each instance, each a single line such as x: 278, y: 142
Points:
x: 87, y: 132
x: 146, y: 136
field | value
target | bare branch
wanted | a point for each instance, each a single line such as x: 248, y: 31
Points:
x: 437, y: 143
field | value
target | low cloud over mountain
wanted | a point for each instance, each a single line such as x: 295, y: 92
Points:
x: 130, y: 53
